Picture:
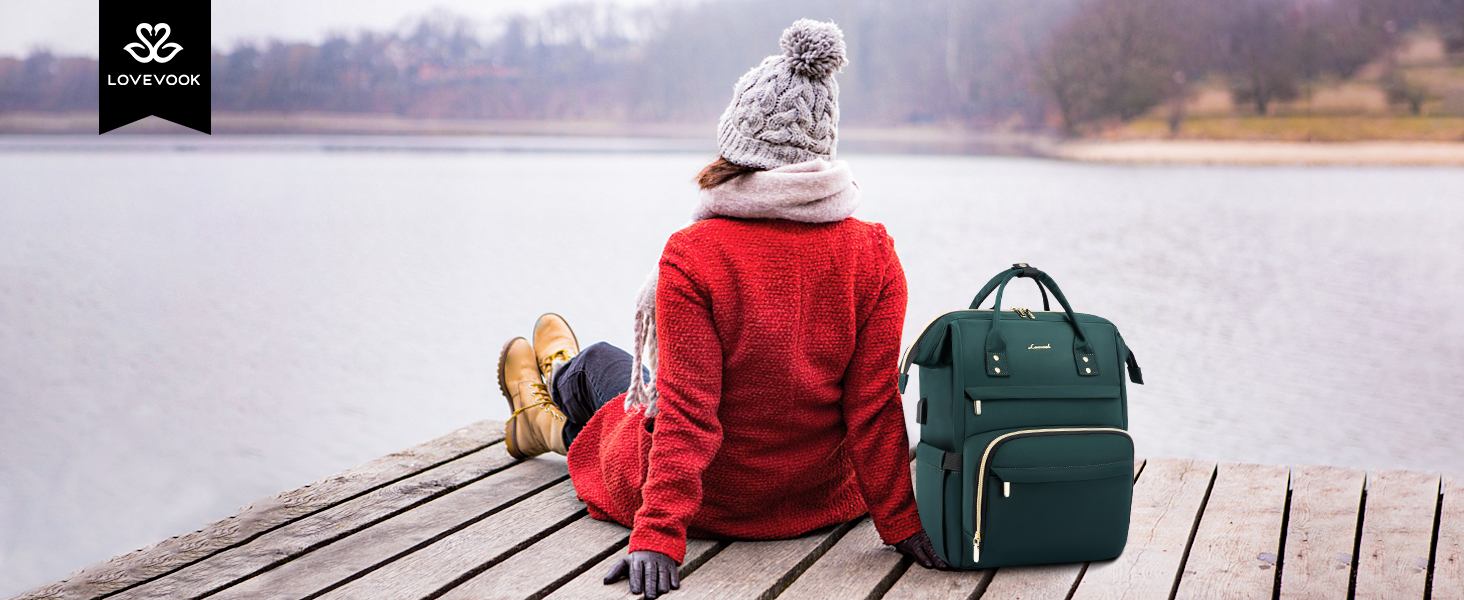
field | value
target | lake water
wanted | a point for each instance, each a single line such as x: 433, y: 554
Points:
x: 188, y: 325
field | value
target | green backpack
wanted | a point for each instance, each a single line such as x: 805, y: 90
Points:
x: 1024, y: 457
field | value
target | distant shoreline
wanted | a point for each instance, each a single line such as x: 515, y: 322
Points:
x: 1229, y: 152
x: 909, y: 140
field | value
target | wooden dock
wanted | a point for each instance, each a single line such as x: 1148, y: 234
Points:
x: 457, y: 518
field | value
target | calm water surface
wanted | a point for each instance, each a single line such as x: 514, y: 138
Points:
x: 184, y: 332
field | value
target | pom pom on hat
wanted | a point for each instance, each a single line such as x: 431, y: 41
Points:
x: 814, y: 49
x: 786, y: 109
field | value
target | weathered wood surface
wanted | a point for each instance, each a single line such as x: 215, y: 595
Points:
x: 1168, y: 497
x: 760, y: 569
x: 1034, y: 582
x: 1448, y: 574
x: 457, y: 519
x: 339, y: 561
x: 1397, y: 533
x: 171, y: 554
x: 283, y: 544
x: 919, y: 583
x: 451, y: 559
x: 859, y: 566
x: 1238, y: 542
x: 1322, y: 532
x: 591, y: 583
x: 547, y: 564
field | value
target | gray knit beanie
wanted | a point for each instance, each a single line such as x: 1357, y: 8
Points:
x: 786, y: 110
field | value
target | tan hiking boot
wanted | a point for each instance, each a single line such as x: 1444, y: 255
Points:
x: 554, y: 342
x: 535, y: 425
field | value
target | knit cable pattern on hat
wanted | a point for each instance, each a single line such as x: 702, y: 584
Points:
x: 786, y: 109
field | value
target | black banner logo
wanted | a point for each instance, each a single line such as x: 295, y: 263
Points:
x: 154, y: 59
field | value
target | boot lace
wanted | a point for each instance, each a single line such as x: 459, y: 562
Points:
x: 540, y: 397
x: 547, y: 365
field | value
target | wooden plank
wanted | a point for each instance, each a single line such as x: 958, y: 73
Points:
x: 1039, y: 581
x: 1397, y: 533
x: 1448, y: 575
x: 332, y: 563
x: 542, y: 566
x: 1321, y: 532
x: 860, y: 565
x: 1034, y: 582
x: 484, y: 543
x: 1167, y: 500
x: 591, y: 583
x: 757, y: 569
x: 141, y: 565
x: 1235, y: 549
x: 920, y: 583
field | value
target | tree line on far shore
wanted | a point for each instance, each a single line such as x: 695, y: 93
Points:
x: 1124, y: 58
x: 1012, y: 64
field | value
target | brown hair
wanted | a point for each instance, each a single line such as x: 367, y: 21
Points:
x: 721, y: 171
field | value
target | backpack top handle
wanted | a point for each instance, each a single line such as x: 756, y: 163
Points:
x: 997, y: 365
x: 1026, y: 271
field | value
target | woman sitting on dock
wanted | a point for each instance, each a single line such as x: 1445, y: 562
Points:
x: 775, y: 321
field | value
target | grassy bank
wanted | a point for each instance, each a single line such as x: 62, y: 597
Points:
x: 1296, y: 128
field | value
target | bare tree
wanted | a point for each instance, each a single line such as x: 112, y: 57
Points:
x: 1115, y: 59
x: 1262, y: 58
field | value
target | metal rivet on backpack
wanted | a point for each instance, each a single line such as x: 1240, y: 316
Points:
x: 1085, y: 359
x: 1089, y: 370
x: 998, y: 369
x: 994, y: 357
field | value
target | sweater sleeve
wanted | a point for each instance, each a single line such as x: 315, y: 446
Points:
x: 687, y: 432
x: 877, y: 444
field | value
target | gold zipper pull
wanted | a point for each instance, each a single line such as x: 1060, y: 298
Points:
x: 977, y: 406
x: 1006, y: 489
x: 976, y: 548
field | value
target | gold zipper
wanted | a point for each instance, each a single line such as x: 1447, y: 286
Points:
x: 981, y: 474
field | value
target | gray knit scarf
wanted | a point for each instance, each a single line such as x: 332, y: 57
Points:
x: 816, y: 191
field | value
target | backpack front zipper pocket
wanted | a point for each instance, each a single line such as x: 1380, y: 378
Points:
x: 1049, y: 495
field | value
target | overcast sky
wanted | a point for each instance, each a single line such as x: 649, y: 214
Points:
x: 70, y: 26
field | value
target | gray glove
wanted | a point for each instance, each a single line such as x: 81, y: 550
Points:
x: 650, y: 572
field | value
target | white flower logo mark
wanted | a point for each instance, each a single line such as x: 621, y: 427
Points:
x: 161, y: 30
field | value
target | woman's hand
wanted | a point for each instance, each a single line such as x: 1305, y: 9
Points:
x: 654, y: 573
x: 919, y: 548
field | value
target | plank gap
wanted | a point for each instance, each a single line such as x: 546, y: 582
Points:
x: 1194, y: 529
x: 428, y: 542
x: 1281, y: 549
x: 983, y: 584
x: 691, y: 566
x: 1393, y: 556
x: 1433, y: 546
x: 1357, y: 545
x: 1079, y: 579
x: 808, y: 559
x: 374, y: 522
x: 890, y: 578
x: 512, y: 550
x: 589, y: 564
x: 590, y: 582
x: 336, y: 502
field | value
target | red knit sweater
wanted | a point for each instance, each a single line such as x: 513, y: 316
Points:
x: 778, y: 407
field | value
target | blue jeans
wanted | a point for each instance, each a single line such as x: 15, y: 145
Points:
x: 588, y: 381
